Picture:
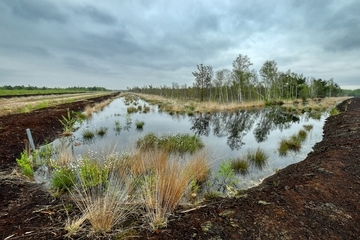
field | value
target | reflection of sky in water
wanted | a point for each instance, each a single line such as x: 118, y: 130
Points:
x: 247, y: 125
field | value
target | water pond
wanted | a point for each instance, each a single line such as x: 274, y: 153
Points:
x: 225, y: 134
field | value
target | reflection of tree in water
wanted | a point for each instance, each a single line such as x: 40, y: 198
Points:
x: 238, y: 124
x: 235, y: 125
x: 271, y: 119
x: 200, y: 124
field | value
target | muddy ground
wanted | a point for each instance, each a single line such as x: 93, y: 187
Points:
x: 317, y: 198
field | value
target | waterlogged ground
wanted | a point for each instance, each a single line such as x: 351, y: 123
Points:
x: 317, y: 198
x: 225, y: 134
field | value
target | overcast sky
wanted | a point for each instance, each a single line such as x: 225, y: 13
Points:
x: 124, y: 43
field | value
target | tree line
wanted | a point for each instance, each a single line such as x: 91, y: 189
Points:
x: 241, y: 83
x: 75, y: 88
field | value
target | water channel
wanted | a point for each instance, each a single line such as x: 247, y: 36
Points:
x: 225, y: 134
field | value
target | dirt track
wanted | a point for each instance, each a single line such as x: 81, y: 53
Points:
x: 317, y: 198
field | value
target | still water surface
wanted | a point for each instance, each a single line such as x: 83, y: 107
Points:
x: 225, y: 134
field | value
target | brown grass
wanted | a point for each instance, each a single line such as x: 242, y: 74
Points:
x: 104, y: 207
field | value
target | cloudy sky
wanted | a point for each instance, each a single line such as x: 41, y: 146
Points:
x: 124, y: 43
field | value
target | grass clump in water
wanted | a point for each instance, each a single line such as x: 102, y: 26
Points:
x: 302, y: 135
x: 284, y: 147
x: 101, y: 131
x: 139, y: 124
x: 131, y: 109
x: 180, y: 143
x: 308, y: 127
x: 257, y: 158
x: 240, y: 166
x: 88, y: 134
x: 293, y: 143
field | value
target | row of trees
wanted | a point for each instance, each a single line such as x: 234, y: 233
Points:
x: 244, y: 84
x: 29, y: 87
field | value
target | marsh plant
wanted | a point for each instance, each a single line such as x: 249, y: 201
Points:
x: 25, y: 162
x: 68, y: 123
x: 224, y: 181
x: 334, y: 111
x: 117, y: 127
x: 240, y: 165
x: 180, y: 143
x: 165, y: 179
x: 257, y: 158
x: 131, y: 109
x: 139, y: 124
x: 106, y: 208
x: 292, y: 143
x: 88, y: 134
x: 101, y: 131
x: 92, y: 173
x: 308, y: 127
x: 63, y: 179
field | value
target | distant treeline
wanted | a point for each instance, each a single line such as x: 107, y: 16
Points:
x: 241, y: 83
x: 75, y: 89
x: 355, y: 93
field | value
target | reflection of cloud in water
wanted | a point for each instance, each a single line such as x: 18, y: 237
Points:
x: 225, y: 134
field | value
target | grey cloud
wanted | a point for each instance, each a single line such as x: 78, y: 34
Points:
x: 96, y: 15
x: 36, y: 10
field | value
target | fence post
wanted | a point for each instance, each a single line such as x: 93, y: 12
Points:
x: 31, y: 141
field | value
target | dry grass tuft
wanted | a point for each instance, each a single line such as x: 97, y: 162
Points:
x: 105, y: 207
